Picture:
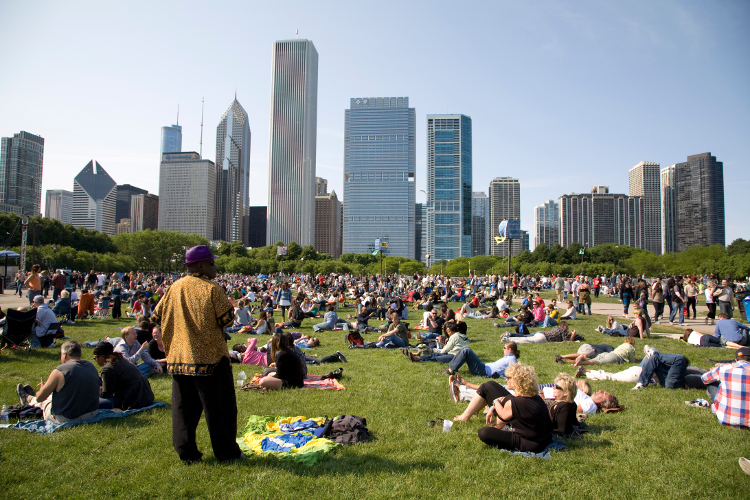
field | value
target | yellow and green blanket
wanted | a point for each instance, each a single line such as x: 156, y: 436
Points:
x: 287, y: 438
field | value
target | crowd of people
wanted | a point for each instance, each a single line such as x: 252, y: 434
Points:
x: 183, y: 324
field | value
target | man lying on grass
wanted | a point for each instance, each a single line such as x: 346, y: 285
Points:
x: 601, y: 354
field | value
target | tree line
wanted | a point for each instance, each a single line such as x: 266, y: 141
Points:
x: 54, y: 245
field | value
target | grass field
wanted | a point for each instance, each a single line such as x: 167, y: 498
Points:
x: 657, y: 448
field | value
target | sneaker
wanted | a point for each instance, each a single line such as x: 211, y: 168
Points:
x: 342, y: 357
x: 745, y: 465
x: 23, y: 396
x: 495, y: 324
x: 405, y: 352
x: 649, y: 351
x: 505, y: 338
x: 455, y: 392
x: 447, y: 371
x: 638, y: 387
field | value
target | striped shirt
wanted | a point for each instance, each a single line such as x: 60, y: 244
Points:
x: 732, y: 403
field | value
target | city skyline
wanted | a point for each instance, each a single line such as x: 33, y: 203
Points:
x: 560, y: 80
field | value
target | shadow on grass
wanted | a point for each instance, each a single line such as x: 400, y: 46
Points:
x: 34, y: 355
x: 341, y: 463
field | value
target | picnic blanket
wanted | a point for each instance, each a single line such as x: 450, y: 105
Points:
x: 311, y: 382
x: 48, y: 427
x: 287, y: 438
x: 555, y: 445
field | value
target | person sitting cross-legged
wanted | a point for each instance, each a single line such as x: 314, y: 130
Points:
x: 123, y: 385
x: 456, y: 342
x: 71, y: 392
x: 397, y: 335
x: 731, y: 397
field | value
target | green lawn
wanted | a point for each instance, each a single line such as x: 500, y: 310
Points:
x: 658, y: 448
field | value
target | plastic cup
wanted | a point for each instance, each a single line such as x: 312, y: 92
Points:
x: 447, y: 424
x: 240, y: 383
x: 242, y: 375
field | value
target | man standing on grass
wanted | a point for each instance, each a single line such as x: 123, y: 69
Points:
x: 192, y: 316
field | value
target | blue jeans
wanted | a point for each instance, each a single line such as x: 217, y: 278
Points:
x: 428, y: 336
x: 321, y: 327
x: 611, y: 331
x: 466, y: 355
x: 438, y: 358
x: 392, y: 342
x: 144, y: 368
x: 548, y: 321
x: 668, y: 368
x: 679, y: 308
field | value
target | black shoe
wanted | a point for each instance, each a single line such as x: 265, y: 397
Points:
x: 342, y: 357
x: 405, y: 351
x: 335, y: 373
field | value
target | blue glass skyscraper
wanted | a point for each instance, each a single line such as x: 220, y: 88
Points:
x: 379, y: 175
x: 171, y: 139
x: 449, y: 186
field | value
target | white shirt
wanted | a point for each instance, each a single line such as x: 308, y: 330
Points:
x: 694, y: 338
x: 586, y: 403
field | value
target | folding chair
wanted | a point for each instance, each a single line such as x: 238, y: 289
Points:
x: 18, y: 329
x: 102, y: 309
x: 63, y: 313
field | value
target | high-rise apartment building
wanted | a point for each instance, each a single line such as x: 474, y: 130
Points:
x: 644, y: 182
x: 524, y: 240
x: 480, y: 224
x: 187, y: 194
x: 144, y: 212
x: 257, y: 218
x: 379, y: 173
x: 321, y: 186
x: 95, y: 199
x: 124, y: 194
x: 601, y: 217
x: 697, y: 205
x: 171, y: 139
x: 232, y: 174
x: 328, y: 224
x: 449, y: 185
x: 547, y: 224
x: 21, y: 158
x: 668, y: 211
x: 292, y: 153
x: 59, y: 205
x: 505, y: 204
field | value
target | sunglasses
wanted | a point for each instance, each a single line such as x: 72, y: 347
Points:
x: 558, y: 388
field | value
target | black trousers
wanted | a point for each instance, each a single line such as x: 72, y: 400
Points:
x: 213, y: 395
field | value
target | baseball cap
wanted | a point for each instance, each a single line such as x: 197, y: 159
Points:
x: 743, y: 351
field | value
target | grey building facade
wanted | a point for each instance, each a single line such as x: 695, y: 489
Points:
x: 480, y: 224
x: 232, y: 174
x: 59, y: 205
x: 257, y: 226
x: 547, y: 224
x: 504, y: 198
x: 187, y: 194
x: 699, y: 200
x: 644, y: 182
x: 292, y: 152
x: 125, y: 192
x: 379, y: 175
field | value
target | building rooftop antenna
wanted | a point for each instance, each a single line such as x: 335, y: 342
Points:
x: 201, y: 153
x: 178, y: 114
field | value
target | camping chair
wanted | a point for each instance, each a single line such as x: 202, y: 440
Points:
x: 18, y: 329
x: 102, y: 309
x: 63, y: 312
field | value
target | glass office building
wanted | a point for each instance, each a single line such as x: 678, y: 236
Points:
x: 171, y: 139
x: 449, y: 185
x: 379, y: 175
x: 21, y: 158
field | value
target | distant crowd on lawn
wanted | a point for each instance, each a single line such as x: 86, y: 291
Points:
x: 361, y: 305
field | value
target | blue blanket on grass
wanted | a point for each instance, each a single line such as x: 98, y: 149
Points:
x: 555, y: 445
x: 48, y: 427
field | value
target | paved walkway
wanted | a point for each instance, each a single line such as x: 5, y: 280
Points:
x: 7, y: 299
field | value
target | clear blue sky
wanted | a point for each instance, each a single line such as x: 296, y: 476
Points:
x: 563, y: 95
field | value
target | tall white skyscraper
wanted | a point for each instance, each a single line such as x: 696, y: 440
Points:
x: 291, y: 162
x: 187, y: 193
x: 644, y: 182
x: 505, y: 204
x: 232, y: 175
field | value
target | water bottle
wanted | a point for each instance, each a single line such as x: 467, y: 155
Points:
x: 4, y: 415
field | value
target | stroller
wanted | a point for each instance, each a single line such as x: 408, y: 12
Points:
x: 18, y: 329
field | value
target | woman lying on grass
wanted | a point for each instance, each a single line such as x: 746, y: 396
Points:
x: 698, y: 339
x: 601, y: 354
x: 525, y: 412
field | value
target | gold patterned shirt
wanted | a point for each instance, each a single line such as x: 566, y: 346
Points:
x: 193, y: 314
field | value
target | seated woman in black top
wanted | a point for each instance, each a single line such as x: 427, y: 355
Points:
x: 562, y: 409
x: 295, y: 318
x: 289, y: 369
x: 122, y: 383
x: 525, y: 412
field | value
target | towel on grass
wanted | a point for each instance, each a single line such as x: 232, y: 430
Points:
x: 48, y: 427
x: 287, y: 438
x: 311, y: 382
x: 555, y: 445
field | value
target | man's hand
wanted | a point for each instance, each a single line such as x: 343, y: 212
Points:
x: 158, y: 368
